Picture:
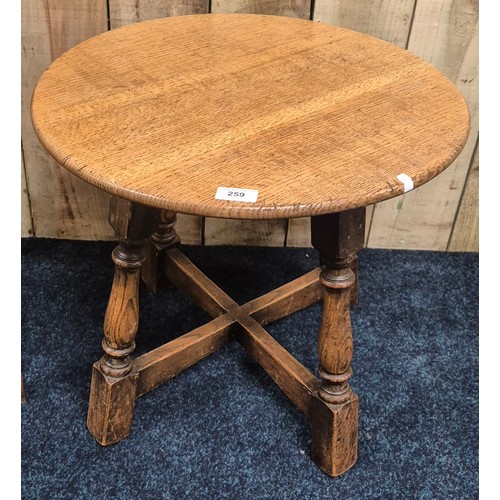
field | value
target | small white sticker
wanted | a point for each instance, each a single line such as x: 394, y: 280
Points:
x: 407, y: 182
x: 236, y: 194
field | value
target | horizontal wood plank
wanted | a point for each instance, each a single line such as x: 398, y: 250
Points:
x: 290, y: 8
x: 123, y: 12
x: 269, y: 233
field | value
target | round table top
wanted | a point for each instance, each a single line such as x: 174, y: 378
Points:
x: 316, y: 118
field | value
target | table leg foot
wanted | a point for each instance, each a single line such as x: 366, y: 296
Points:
x: 334, y: 413
x: 111, y: 406
x: 114, y: 381
x: 334, y: 432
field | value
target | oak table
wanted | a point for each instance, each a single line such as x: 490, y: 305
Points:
x: 247, y: 117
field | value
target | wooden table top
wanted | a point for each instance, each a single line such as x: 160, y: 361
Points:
x: 316, y: 118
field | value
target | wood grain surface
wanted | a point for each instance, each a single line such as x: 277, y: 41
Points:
x: 270, y: 233
x: 261, y: 232
x: 290, y: 8
x: 129, y: 112
x: 123, y: 12
x: 389, y: 20
x: 298, y: 232
x: 334, y: 414
x: 465, y: 234
x: 62, y: 205
x: 446, y: 34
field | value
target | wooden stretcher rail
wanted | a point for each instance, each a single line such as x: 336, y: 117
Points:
x: 163, y: 363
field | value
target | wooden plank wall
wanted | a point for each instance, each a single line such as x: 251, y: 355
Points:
x: 445, y: 33
x: 62, y: 206
x: 442, y: 215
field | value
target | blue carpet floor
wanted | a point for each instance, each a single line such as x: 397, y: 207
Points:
x: 222, y: 429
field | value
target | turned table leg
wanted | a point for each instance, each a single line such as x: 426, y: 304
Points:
x: 158, y: 243
x: 334, y: 416
x: 114, y: 381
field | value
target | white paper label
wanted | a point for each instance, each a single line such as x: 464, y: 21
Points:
x: 236, y: 194
x: 407, y: 182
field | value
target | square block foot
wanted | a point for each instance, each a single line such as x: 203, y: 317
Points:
x: 334, y: 433
x: 111, y: 406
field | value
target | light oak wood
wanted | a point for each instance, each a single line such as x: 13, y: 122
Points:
x: 124, y: 12
x: 445, y: 33
x: 382, y: 18
x: 62, y: 205
x: 465, y: 234
x: 89, y: 105
x: 388, y: 20
x: 261, y: 233
x: 114, y: 381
